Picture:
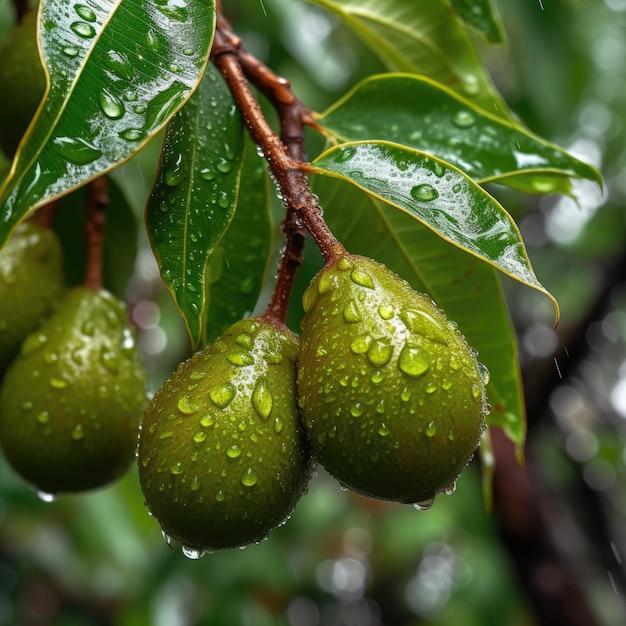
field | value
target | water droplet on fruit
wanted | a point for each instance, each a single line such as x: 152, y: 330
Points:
x: 78, y: 433
x: 450, y: 488
x: 111, y: 105
x: 249, y: 478
x: 233, y: 451
x: 385, y: 311
x: 58, y: 383
x: 246, y: 340
x: 308, y: 299
x: 46, y: 497
x: 199, y: 437
x: 278, y: 425
x: 33, y: 343
x: 380, y: 352
x: 240, y: 358
x: 424, y: 505
x: 356, y: 410
x: 176, y: 468
x: 405, y: 394
x: 411, y: 363
x: 351, y: 313
x: 192, y: 553
x: 383, y: 430
x: 430, y: 388
x: 43, y: 417
x: 484, y: 373
x: 207, y: 421
x: 186, y: 406
x: 327, y: 282
x: 84, y: 30
x: 262, y: 400
x: 362, y: 278
x: 219, y: 496
x: 361, y: 344
x: 222, y: 395
x: 110, y: 360
x: 431, y: 429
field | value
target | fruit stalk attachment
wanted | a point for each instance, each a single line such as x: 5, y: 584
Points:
x: 97, y: 203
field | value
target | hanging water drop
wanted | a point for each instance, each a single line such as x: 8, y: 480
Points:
x: 424, y: 193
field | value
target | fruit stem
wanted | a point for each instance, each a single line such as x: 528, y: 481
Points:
x: 95, y: 211
x: 283, y: 155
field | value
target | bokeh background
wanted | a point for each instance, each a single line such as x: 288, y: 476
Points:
x: 553, y: 549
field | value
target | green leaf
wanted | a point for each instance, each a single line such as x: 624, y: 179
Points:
x: 440, y: 196
x: 481, y: 16
x: 421, y: 37
x: 120, y: 243
x: 468, y: 290
x: 239, y: 266
x: 195, y: 195
x: 117, y: 71
x: 421, y: 114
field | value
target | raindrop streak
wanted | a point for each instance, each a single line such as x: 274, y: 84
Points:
x: 424, y: 193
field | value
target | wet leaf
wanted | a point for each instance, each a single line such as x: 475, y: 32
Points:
x: 438, y: 195
x: 481, y: 16
x: 195, y: 195
x: 468, y: 290
x: 421, y: 37
x: 117, y: 71
x: 240, y: 264
x: 421, y: 114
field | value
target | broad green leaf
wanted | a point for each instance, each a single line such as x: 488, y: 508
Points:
x: 421, y: 37
x: 482, y: 16
x: 422, y: 114
x: 240, y: 263
x: 120, y: 243
x: 195, y: 195
x: 469, y: 291
x: 440, y: 196
x: 116, y: 72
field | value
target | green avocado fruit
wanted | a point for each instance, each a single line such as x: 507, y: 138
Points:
x: 23, y: 82
x: 392, y: 396
x: 223, y: 458
x: 72, y: 401
x: 31, y: 283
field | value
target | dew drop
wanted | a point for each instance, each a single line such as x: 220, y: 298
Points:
x: 186, y: 406
x: 199, y: 437
x: 464, y: 119
x: 351, y: 313
x: 249, y: 478
x: 207, y: 421
x: 308, y: 299
x: 377, y: 377
x: 46, y: 497
x: 385, y: 311
x: 223, y: 166
x: 361, y: 344
x: 327, y: 282
x: 240, y: 358
x: 132, y: 134
x: 233, y: 451
x: 207, y: 174
x: 84, y: 30
x: 219, y: 496
x: 424, y: 193
x: 380, y: 352
x: 380, y: 407
x: 58, y: 383
x: 33, y: 343
x: 356, y: 410
x: 278, y: 425
x: 71, y: 51
x: 78, y: 433
x: 383, y: 430
x: 27, y: 405
x: 222, y: 395
x: 192, y: 553
x: 85, y: 12
x: 174, y: 174
x: 43, y: 417
x: 405, y: 394
x: 424, y: 505
x: 450, y: 488
x: 411, y: 363
x: 76, y: 151
x: 345, y: 155
x: 430, y: 388
x: 345, y: 264
x: 110, y: 360
x: 166, y: 538
x: 484, y: 373
x: 262, y: 399
x: 176, y: 468
x: 431, y: 429
x: 362, y: 278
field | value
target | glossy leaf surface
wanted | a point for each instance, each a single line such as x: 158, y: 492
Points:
x: 440, y: 196
x: 239, y: 265
x: 469, y: 291
x: 195, y: 195
x: 480, y: 15
x: 419, y: 113
x: 421, y: 37
x: 117, y: 71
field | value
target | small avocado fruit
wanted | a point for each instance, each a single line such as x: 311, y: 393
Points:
x: 223, y: 458
x: 72, y: 400
x: 392, y: 396
x: 31, y: 284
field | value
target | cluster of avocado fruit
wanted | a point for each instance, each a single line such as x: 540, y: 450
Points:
x: 380, y: 389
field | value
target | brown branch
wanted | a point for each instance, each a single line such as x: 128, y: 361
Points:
x: 97, y: 202
x: 283, y: 156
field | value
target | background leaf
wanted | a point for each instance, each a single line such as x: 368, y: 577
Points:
x: 441, y: 197
x: 468, y: 290
x: 419, y: 113
x: 421, y: 37
x: 195, y: 195
x: 239, y: 265
x: 481, y: 16
x: 117, y: 72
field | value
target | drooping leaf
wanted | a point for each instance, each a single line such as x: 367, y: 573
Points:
x: 240, y: 263
x: 195, y: 195
x: 421, y: 37
x: 467, y: 289
x: 440, y: 196
x: 480, y: 15
x: 422, y: 114
x: 117, y: 71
